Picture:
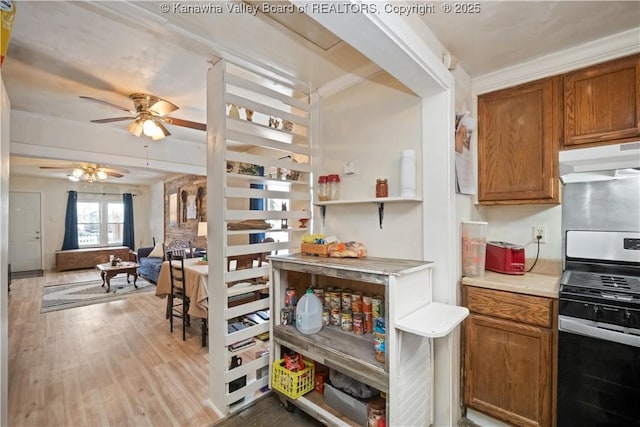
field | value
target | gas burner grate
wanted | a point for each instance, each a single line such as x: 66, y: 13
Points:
x: 604, y: 281
x: 617, y: 282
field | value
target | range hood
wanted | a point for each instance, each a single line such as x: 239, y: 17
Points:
x: 603, y: 163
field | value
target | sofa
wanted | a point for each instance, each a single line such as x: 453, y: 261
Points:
x: 149, y: 266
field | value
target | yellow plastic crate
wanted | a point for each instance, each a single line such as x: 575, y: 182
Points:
x: 293, y: 384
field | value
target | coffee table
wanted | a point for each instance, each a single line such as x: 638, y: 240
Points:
x: 107, y: 271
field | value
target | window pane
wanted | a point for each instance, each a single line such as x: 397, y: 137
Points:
x: 116, y: 212
x: 88, y: 223
x: 115, y: 233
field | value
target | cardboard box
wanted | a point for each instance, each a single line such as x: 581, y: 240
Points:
x: 345, y: 404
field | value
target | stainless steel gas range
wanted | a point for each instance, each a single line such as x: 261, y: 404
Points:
x: 599, y: 330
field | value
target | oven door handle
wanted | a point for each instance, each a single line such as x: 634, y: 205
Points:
x: 587, y: 328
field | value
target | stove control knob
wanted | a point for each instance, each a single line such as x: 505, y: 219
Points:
x: 596, y: 311
x: 627, y: 317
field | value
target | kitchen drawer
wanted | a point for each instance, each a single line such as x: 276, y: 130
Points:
x: 508, y: 305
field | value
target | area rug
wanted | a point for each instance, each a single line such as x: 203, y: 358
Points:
x: 70, y: 295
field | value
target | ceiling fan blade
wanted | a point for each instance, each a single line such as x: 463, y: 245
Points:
x: 100, y: 101
x: 56, y: 167
x: 113, y: 119
x: 185, y: 123
x: 113, y: 170
x: 163, y: 107
x: 113, y: 174
x: 151, y: 103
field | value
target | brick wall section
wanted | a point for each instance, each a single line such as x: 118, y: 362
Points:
x: 186, y: 229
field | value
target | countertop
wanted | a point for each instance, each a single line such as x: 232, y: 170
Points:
x: 544, y: 285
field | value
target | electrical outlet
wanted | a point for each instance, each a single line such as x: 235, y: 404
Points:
x: 539, y: 231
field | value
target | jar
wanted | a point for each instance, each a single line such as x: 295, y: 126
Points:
x: 376, y: 409
x: 346, y: 321
x: 333, y: 182
x: 323, y: 188
x: 382, y: 188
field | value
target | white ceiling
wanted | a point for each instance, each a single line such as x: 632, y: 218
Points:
x: 108, y: 50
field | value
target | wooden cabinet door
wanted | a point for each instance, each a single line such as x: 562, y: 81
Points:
x: 518, y: 140
x: 508, y: 370
x: 602, y: 103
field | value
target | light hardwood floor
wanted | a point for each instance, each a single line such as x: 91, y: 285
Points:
x: 110, y: 364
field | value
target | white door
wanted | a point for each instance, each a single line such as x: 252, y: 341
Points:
x: 25, y: 239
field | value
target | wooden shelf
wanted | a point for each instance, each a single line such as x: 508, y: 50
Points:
x: 380, y: 201
x: 434, y: 320
x: 313, y: 404
x: 349, y: 353
x: 371, y: 200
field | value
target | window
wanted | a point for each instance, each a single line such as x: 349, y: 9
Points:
x: 100, y: 223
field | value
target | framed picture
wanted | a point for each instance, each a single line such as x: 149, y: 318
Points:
x: 192, y: 212
x: 173, y: 209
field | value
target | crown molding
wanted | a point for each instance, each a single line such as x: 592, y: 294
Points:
x: 604, y: 49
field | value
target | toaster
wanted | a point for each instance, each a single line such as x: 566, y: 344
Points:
x: 503, y: 257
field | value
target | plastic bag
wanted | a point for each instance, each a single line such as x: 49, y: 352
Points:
x: 350, y: 386
x: 347, y: 250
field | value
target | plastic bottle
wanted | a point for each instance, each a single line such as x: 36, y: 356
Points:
x: 334, y: 186
x: 323, y: 189
x: 309, y: 313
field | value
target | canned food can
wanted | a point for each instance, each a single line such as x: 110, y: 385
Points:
x: 334, y: 300
x: 345, y: 298
x: 327, y: 298
x: 347, y: 320
x: 334, y: 318
x: 368, y: 322
x: 290, y: 298
x: 325, y: 317
x: 358, y: 323
x: 379, y: 346
x: 366, y: 303
x: 319, y: 292
x: 356, y: 302
x: 285, y: 316
x: 376, y: 306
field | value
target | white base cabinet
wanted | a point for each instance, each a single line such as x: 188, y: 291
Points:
x: 411, y: 321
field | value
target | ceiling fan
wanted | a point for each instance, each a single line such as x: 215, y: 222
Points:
x: 90, y: 172
x: 149, y: 113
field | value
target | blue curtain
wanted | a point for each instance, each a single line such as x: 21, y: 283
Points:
x: 128, y: 237
x: 71, y: 223
x: 257, y: 205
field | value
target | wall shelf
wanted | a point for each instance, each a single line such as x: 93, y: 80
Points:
x: 380, y: 201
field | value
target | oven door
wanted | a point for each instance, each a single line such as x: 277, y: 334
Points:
x: 598, y: 374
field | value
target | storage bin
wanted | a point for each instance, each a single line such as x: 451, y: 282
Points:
x: 474, y: 243
x: 292, y: 384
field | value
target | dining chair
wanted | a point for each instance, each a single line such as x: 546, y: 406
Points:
x: 178, y: 310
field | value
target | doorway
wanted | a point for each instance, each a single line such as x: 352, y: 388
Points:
x: 25, y: 237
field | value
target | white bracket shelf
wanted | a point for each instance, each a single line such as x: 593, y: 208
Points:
x: 434, y: 320
x: 380, y: 201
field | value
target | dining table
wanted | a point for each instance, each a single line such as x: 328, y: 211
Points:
x: 196, y: 276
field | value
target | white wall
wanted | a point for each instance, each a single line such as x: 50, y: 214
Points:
x: 156, y: 214
x: 54, y: 203
x: 371, y: 123
x: 5, y: 108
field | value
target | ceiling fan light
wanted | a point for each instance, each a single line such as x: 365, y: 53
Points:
x: 101, y: 175
x: 150, y: 127
x: 77, y: 172
x: 73, y: 178
x: 136, y: 128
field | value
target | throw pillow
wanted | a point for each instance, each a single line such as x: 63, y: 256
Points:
x: 157, y: 252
